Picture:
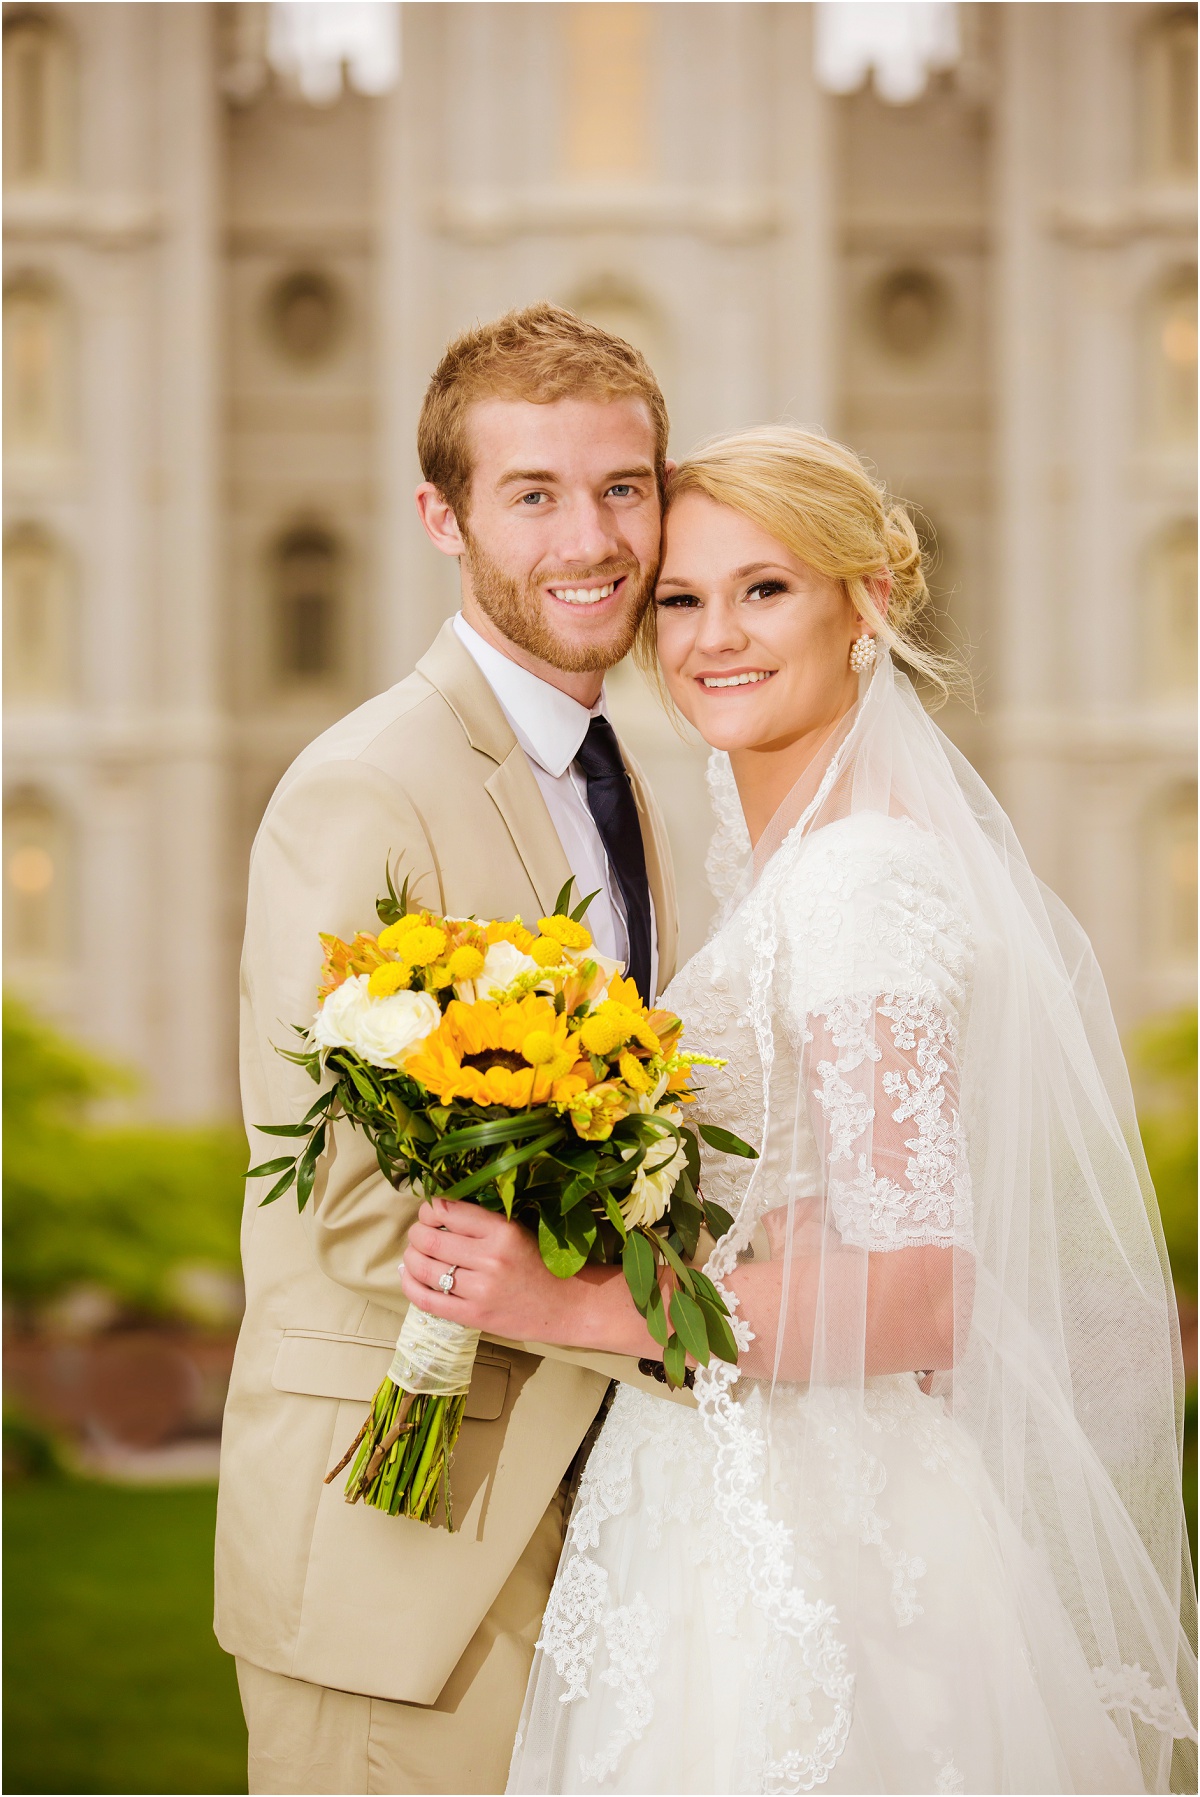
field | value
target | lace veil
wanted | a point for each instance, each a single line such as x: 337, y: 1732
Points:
x: 952, y: 1183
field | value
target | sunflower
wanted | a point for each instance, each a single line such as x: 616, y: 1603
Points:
x: 510, y: 1054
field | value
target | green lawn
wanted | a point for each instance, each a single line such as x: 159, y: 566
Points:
x: 113, y: 1679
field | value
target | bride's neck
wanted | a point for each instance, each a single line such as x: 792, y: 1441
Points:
x: 766, y: 772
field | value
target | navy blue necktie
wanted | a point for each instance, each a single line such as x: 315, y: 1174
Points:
x: 612, y: 805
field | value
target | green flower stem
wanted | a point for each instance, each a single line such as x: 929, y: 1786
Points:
x: 402, y: 1454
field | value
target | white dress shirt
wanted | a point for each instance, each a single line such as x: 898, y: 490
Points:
x: 550, y: 727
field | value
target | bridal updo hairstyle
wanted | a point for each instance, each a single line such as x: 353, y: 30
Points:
x: 816, y: 498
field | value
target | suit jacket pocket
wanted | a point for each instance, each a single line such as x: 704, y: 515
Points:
x: 321, y: 1364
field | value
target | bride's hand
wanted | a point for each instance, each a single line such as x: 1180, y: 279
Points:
x: 501, y: 1284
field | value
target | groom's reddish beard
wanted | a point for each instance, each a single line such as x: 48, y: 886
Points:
x: 516, y: 610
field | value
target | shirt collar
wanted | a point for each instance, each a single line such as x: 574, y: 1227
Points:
x: 549, y: 725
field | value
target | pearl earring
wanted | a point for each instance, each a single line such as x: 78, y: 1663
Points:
x: 862, y: 654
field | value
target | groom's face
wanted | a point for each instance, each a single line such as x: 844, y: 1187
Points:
x: 561, y: 537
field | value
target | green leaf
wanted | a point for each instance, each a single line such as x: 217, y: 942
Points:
x: 720, y: 1335
x: 688, y: 1320
x: 362, y: 1083
x: 575, y: 1191
x: 307, y: 1168
x: 717, y: 1219
x: 637, y: 1258
x: 563, y: 899
x: 691, y: 1149
x: 656, y: 1316
x: 686, y: 1216
x: 279, y: 1188
x: 578, y: 913
x: 725, y: 1142
x: 682, y: 1273
x: 559, y: 1253
x: 706, y: 1292
x: 324, y: 1104
x: 675, y: 1363
x: 282, y: 1129
x: 581, y: 1226
x: 483, y: 1135
x: 613, y: 1210
x: 511, y: 1158
x: 268, y: 1167
x: 506, y: 1185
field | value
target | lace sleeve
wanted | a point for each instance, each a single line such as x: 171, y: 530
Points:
x: 883, y: 1089
x: 875, y: 1000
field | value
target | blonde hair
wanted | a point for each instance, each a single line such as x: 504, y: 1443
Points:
x: 541, y: 354
x: 816, y: 498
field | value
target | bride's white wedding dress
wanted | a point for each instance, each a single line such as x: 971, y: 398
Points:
x: 821, y: 1582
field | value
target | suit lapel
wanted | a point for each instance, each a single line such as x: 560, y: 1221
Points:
x: 518, y: 798
x: 511, y: 786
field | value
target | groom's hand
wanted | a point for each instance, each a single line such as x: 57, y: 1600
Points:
x: 502, y: 1285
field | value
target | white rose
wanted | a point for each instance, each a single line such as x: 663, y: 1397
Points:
x: 653, y: 1182
x: 381, y: 1030
x: 501, y: 966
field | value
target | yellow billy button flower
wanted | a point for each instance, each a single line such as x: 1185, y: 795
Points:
x: 566, y: 931
x: 465, y: 963
x: 546, y: 951
x: 393, y: 937
x: 422, y: 946
x: 635, y: 1073
x: 612, y: 1024
x: 392, y: 977
x: 539, y: 1048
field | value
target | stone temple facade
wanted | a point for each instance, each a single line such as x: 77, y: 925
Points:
x: 226, y: 285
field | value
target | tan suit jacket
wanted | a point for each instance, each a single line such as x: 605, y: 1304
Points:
x: 428, y: 774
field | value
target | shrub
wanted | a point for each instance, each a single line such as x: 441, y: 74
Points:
x: 87, y: 1204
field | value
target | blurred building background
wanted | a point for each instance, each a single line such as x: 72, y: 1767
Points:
x: 237, y: 238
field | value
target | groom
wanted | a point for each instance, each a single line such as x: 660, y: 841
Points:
x: 375, y: 1654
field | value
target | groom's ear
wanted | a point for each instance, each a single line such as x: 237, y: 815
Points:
x: 437, y: 515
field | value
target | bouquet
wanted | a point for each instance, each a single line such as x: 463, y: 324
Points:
x: 515, y: 1069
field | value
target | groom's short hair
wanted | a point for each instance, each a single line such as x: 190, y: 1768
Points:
x: 541, y: 354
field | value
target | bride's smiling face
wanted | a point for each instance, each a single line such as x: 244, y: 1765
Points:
x: 754, y: 644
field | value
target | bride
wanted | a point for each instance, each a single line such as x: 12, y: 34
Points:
x: 927, y: 1536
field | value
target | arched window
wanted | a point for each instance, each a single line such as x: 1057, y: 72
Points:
x: 1168, y: 614
x: 307, y: 577
x: 1167, y: 108
x: 38, y: 103
x: 1171, y: 877
x: 38, y: 626
x: 606, y: 92
x: 1170, y: 353
x: 37, y: 881
x: 36, y: 370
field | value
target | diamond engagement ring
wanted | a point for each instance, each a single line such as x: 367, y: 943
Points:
x: 446, y: 1282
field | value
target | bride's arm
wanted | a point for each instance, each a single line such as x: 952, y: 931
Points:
x: 909, y: 1311
x: 502, y: 1286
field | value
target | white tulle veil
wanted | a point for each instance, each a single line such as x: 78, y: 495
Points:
x: 1016, y: 1199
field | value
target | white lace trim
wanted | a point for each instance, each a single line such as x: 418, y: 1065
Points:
x: 949, y: 1778
x: 741, y: 1451
x: 728, y: 857
x: 633, y: 1636
x: 1130, y: 1688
